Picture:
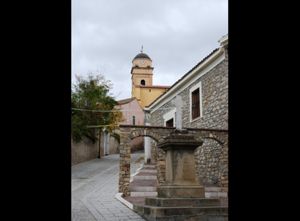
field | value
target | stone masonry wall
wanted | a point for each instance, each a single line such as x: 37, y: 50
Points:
x: 212, y: 157
x: 214, y: 101
x: 161, y: 165
x: 114, y: 145
x: 124, y: 171
x: 84, y: 151
x: 210, y: 163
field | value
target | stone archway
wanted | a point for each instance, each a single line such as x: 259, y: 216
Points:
x: 129, y: 132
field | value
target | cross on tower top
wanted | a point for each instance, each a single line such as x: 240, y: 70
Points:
x: 142, y: 49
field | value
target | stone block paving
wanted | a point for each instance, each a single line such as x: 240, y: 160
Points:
x: 94, y: 185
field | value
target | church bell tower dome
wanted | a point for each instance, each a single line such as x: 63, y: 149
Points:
x: 142, y: 55
x: 142, y: 60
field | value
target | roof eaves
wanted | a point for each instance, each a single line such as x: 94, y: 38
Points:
x: 184, y: 76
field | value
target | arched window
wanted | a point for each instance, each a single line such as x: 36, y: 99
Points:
x: 133, y: 120
x: 143, y: 82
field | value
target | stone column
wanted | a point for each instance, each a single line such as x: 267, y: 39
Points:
x: 153, y: 152
x: 147, y: 147
x: 124, y: 171
x: 147, y: 140
x: 181, y: 178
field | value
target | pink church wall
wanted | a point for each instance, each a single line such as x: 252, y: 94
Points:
x: 132, y: 109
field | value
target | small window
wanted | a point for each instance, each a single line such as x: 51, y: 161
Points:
x: 133, y: 120
x: 149, y: 90
x: 195, y: 104
x: 143, y: 82
x: 170, y: 123
x: 170, y: 118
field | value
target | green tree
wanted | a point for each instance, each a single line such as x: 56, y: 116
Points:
x: 92, y: 106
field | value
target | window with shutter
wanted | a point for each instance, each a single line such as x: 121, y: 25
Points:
x: 195, y: 104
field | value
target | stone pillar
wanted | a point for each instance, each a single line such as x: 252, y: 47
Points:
x: 181, y: 179
x: 147, y: 147
x: 153, y: 152
x: 124, y: 171
x: 147, y: 140
x: 224, y: 171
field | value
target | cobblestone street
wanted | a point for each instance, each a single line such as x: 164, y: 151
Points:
x: 94, y: 186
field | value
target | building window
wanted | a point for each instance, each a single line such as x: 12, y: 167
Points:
x: 170, y: 118
x: 143, y: 82
x: 170, y: 123
x: 133, y: 120
x: 195, y: 102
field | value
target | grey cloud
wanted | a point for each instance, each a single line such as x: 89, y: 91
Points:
x: 107, y: 34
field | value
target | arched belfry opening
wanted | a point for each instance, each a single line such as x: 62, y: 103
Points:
x: 143, y: 82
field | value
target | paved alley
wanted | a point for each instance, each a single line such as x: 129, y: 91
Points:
x: 94, y: 186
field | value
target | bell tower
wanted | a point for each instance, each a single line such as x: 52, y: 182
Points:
x: 141, y: 74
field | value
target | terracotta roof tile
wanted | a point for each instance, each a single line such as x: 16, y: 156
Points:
x: 125, y: 101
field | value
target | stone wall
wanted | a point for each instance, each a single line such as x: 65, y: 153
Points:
x: 213, y: 172
x: 212, y: 157
x: 161, y: 165
x: 114, y: 145
x: 211, y: 163
x: 84, y: 151
x: 137, y: 144
x: 214, y: 101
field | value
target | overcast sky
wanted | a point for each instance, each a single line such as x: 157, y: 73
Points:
x: 176, y: 34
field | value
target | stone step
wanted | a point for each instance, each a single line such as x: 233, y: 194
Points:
x: 142, y: 189
x: 156, y: 212
x: 149, y: 166
x: 194, y: 217
x: 145, y: 177
x: 144, y: 183
x: 136, y: 200
x: 142, y: 173
x: 178, y: 191
x: 143, y: 193
x: 213, y: 189
x: 216, y: 194
x: 148, y: 171
x: 184, y: 202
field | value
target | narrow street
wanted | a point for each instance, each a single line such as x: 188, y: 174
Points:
x: 94, y: 185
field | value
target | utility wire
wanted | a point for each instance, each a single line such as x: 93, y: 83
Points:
x: 107, y: 111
